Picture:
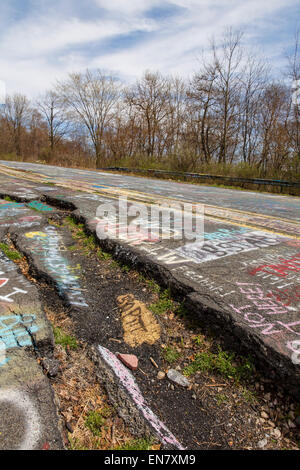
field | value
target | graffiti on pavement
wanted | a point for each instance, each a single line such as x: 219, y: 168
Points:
x: 139, y: 324
x: 48, y: 246
x: 128, y: 382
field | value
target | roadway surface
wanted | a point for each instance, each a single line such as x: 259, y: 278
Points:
x: 243, y: 280
x: 287, y: 207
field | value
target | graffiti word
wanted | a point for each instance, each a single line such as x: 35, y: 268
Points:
x: 194, y: 276
x: 16, y: 330
x: 139, y: 324
x: 7, y: 297
x: 176, y: 221
x: 166, y: 255
x: 39, y: 206
x: 22, y: 402
x: 35, y: 234
x: 291, y: 278
x: 266, y: 314
x: 21, y: 222
x: 10, y: 205
x: 261, y: 302
x: 209, y: 251
x: 282, y: 269
x: 11, y: 209
x: 128, y: 382
x: 223, y: 233
x: 122, y: 232
x: 287, y: 296
x: 48, y: 247
x: 293, y: 242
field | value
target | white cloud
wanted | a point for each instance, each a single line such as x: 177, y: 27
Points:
x: 131, y: 7
x: 47, y: 35
x: 47, y: 44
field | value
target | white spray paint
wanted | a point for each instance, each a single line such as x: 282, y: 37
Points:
x: 128, y: 382
x: 31, y: 417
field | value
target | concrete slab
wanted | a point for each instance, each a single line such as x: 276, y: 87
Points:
x: 28, y: 417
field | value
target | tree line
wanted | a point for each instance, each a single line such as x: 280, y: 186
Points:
x: 231, y: 117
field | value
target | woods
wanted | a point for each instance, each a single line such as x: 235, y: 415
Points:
x: 232, y: 118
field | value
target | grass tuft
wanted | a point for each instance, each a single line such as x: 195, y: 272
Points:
x: 170, y: 354
x: 222, y: 363
x: 94, y: 421
x: 63, y: 339
x: 136, y: 444
x: 163, y: 305
x: 11, y: 253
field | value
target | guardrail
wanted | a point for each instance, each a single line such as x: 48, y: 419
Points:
x: 292, y: 187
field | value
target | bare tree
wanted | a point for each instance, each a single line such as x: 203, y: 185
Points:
x: 254, y: 81
x: 150, y: 97
x: 273, y: 111
x: 17, y: 114
x: 294, y: 109
x: 202, y: 94
x: 91, y: 98
x: 51, y: 107
x: 228, y: 61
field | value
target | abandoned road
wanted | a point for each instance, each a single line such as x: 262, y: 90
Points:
x: 241, y: 280
x: 287, y: 207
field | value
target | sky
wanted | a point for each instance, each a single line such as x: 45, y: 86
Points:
x: 41, y: 41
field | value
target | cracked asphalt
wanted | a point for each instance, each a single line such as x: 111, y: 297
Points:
x: 242, y: 282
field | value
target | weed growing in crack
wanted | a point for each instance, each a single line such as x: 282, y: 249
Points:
x: 11, y: 253
x: 136, y: 444
x: 89, y: 242
x: 151, y: 284
x: 76, y: 445
x: 72, y: 248
x: 164, y: 303
x: 221, y: 398
x: 222, y: 363
x: 199, y: 340
x: 94, y: 421
x: 103, y: 255
x: 53, y: 222
x: 249, y: 395
x: 170, y: 354
x: 70, y: 221
x: 63, y: 339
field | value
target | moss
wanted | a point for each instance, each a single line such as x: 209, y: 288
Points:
x: 103, y: 255
x: 64, y: 339
x: 164, y: 304
x: 170, y: 354
x: 136, y: 444
x: 222, y: 363
x: 11, y: 253
x: 94, y: 421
